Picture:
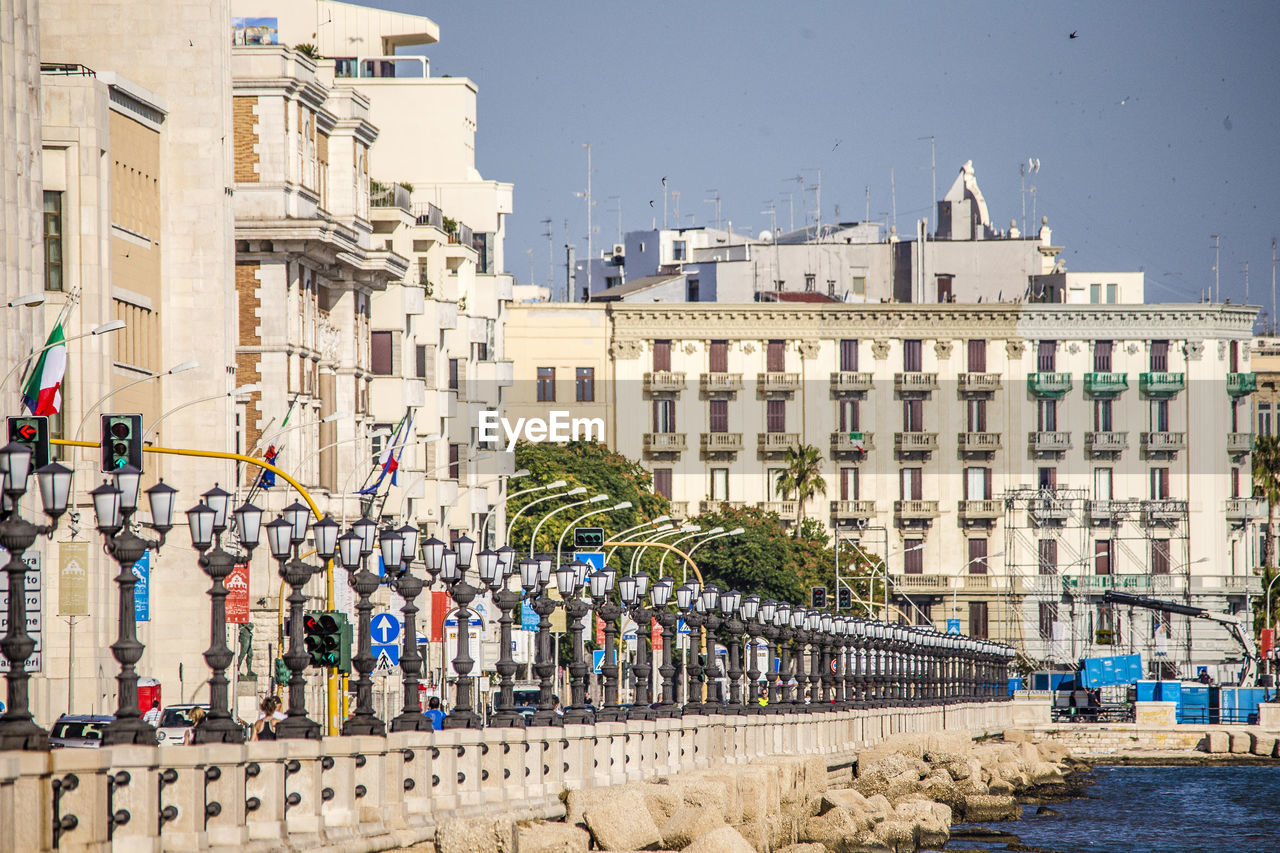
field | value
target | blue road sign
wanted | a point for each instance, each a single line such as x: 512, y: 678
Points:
x: 528, y: 618
x: 597, y: 661
x: 392, y: 653
x: 384, y: 629
x: 594, y: 559
x: 953, y: 626
x: 682, y: 627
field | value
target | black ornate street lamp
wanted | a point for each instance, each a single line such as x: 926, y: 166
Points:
x: 825, y: 658
x: 354, y: 548
x: 632, y: 590
x: 732, y: 627
x: 285, y: 536
x: 660, y: 595
x: 569, y: 580
x: 602, y: 589
x: 408, y: 586
x: 749, y: 609
x: 506, y: 600
x: 18, y: 729
x: 688, y: 603
x: 782, y: 619
x: 799, y: 617
x: 454, y: 574
x: 545, y: 663
x: 114, y: 505
x: 769, y: 631
x: 813, y: 623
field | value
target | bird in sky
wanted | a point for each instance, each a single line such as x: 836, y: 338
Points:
x: 651, y: 202
x: 664, y: 180
x: 1074, y: 34
x: 837, y: 145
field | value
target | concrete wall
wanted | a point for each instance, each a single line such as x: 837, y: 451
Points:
x: 375, y: 793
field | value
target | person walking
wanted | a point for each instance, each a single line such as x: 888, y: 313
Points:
x: 153, y: 716
x: 189, y: 737
x: 435, y: 713
x: 268, y: 719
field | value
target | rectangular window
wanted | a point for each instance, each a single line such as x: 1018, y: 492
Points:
x: 976, y: 415
x: 719, y: 484
x: 691, y: 290
x: 1159, y: 484
x: 810, y: 282
x: 978, y: 620
x: 664, y: 416
x: 1233, y: 356
x: 847, y: 414
x: 1235, y: 415
x: 912, y: 415
x: 662, y: 482
x: 420, y: 362
x: 1111, y: 294
x: 1095, y: 294
x: 455, y: 376
x: 1160, y: 557
x: 1102, y: 556
x: 1102, y: 356
x: 849, y: 355
x: 1159, y: 356
x: 546, y: 381
x: 913, y: 556
x: 776, y: 416
x: 923, y: 611
x: 1159, y: 416
x: 661, y: 356
x: 1048, y: 554
x: 944, y: 289
x: 380, y: 353
x: 977, y: 356
x: 1235, y: 482
x: 718, y: 415
x: 677, y: 250
x: 977, y: 484
x: 718, y: 357
x: 1047, y: 415
x: 977, y: 556
x: 1047, y: 356
x: 1048, y: 615
x: 1264, y: 419
x: 1102, y: 415
x: 776, y: 357
x: 585, y: 384
x: 912, y: 356
x: 52, y: 240
x: 455, y: 461
x: 1047, y: 478
x: 912, y: 484
x: 858, y: 284
x: 1102, y: 484
x: 848, y: 484
x: 772, y: 477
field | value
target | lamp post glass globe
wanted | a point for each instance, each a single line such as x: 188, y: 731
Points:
x: 55, y: 488
x: 279, y: 538
x: 391, y: 544
x: 466, y: 548
x: 218, y: 500
x: 128, y: 480
x: 349, y: 546
x: 433, y: 555
x: 199, y: 523
x: 366, y: 530
x: 325, y: 532
x: 450, y: 571
x: 248, y: 525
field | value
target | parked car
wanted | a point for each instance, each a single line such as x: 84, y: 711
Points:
x: 79, y: 731
x: 174, y: 723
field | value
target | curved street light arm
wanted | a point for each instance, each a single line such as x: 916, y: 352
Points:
x: 109, y: 326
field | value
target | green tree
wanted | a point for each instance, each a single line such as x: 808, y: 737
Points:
x: 1266, y: 484
x: 802, y: 477
x: 761, y: 559
x: 580, y: 463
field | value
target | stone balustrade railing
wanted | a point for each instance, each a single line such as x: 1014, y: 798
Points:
x: 374, y: 793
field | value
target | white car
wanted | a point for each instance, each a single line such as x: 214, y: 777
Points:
x: 174, y: 723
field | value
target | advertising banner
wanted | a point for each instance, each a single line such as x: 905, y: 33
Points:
x: 237, y: 584
x: 73, y: 578
x: 142, y: 589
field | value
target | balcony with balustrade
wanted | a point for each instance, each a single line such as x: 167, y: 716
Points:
x: 786, y: 509
x: 1049, y: 441
x: 678, y: 510
x: 1161, y: 384
x: 774, y: 443
x: 983, y: 511
x: 1106, y: 443
x: 979, y: 383
x: 1098, y: 584
x: 664, y: 381
x: 915, y: 382
x: 1163, y: 443
x: 777, y: 382
x: 715, y: 443
x: 1241, y: 384
x: 658, y: 443
x: 1166, y: 511
x: 1048, y: 510
x: 1105, y: 385
x: 850, y: 382
x: 915, y: 510
x: 1050, y: 385
x: 1242, y: 510
x: 713, y: 384
x: 915, y: 443
x: 705, y: 507
x: 978, y: 443
x: 852, y: 444
x: 1239, y: 443
x: 1106, y: 512
x: 852, y: 510
x: 921, y: 583
x: 1229, y: 585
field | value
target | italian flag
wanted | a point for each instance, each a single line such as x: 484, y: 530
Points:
x: 43, y: 391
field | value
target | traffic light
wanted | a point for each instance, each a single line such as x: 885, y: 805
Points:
x: 844, y: 598
x: 587, y: 538
x: 33, y: 431
x: 328, y: 640
x: 281, y: 673
x: 121, y: 441
x: 818, y: 598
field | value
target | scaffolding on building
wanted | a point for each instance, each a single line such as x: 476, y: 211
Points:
x: 1074, y: 572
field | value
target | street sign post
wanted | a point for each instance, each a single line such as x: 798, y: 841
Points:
x: 384, y: 631
x: 953, y: 626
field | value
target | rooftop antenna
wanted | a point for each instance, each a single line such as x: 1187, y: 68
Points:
x: 617, y: 199
x: 933, y: 166
x: 551, y: 253
x: 1032, y: 166
x: 773, y: 238
x: 590, y: 204
x: 1217, y: 253
x: 529, y: 252
x: 799, y: 179
x: 1273, y: 286
x: 867, y: 218
x: 1246, y: 282
x: 893, y: 199
x: 715, y: 199
x: 675, y: 207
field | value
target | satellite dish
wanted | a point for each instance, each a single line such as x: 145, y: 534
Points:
x: 766, y: 236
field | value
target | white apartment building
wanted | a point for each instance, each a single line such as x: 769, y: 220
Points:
x: 1012, y: 461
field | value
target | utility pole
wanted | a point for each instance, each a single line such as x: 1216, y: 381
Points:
x: 893, y: 199
x: 590, y: 254
x: 1217, y: 251
x: 1246, y: 282
x: 1273, y: 287
x: 551, y: 256
x: 933, y: 167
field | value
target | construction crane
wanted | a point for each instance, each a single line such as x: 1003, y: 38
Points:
x: 1234, y: 625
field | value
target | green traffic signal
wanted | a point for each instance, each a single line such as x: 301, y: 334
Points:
x: 327, y: 637
x: 588, y: 537
x: 121, y: 442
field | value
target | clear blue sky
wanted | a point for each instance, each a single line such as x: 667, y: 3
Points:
x: 1156, y: 127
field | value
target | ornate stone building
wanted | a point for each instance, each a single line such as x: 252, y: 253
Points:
x: 1012, y: 461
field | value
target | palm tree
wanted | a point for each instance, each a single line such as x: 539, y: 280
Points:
x: 1266, y: 484
x: 802, y: 477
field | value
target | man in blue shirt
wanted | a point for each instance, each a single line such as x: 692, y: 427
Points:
x: 434, y: 713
